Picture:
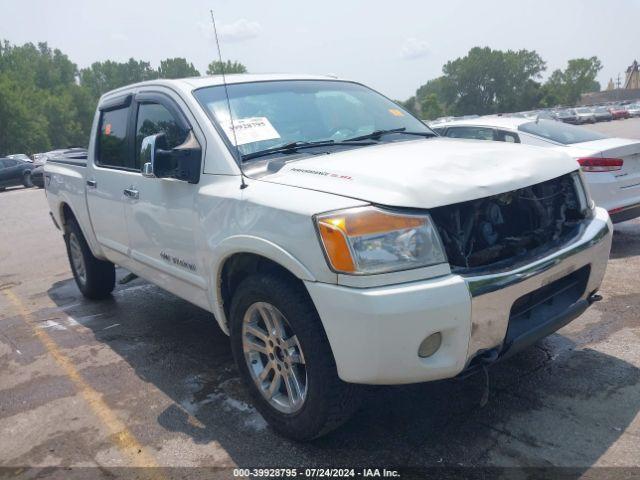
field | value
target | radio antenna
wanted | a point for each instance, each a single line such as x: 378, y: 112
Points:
x: 226, y: 92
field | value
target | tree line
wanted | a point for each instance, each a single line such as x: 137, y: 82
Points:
x: 47, y: 102
x: 489, y: 81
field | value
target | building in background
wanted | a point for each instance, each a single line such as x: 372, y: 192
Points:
x: 633, y: 76
x: 628, y: 92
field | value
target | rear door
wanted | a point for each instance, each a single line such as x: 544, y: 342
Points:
x: 108, y: 176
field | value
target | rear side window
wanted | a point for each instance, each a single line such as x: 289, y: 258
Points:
x: 560, y: 132
x: 509, y: 137
x: 474, y: 133
x: 112, y: 143
x: 155, y: 118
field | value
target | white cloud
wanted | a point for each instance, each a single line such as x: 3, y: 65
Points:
x: 118, y: 37
x: 413, y: 48
x: 239, y: 31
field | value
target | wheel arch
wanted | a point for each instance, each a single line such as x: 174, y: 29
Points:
x: 239, y: 256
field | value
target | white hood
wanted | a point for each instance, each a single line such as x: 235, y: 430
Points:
x: 425, y: 173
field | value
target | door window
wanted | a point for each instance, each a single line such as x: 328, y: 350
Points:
x: 473, y: 133
x: 509, y: 137
x: 155, y: 118
x: 112, y: 141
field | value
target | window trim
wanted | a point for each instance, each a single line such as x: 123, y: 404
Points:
x: 486, y: 127
x: 159, y: 98
x: 110, y: 107
x: 498, y: 130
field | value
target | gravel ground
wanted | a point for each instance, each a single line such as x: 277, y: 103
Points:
x: 145, y: 380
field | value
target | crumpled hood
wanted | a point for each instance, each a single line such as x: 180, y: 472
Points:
x: 425, y: 173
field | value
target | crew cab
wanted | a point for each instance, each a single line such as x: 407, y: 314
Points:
x: 335, y: 237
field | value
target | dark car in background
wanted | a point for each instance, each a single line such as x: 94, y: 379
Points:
x: 14, y: 172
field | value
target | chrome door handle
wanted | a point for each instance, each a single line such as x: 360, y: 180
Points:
x: 92, y: 183
x: 131, y: 193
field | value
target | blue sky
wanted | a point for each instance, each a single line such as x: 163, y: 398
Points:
x: 392, y: 46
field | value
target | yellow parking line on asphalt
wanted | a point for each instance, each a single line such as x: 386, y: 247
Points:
x: 119, y: 433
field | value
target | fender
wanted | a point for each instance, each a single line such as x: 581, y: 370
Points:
x: 257, y: 246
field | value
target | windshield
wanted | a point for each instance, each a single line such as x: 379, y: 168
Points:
x: 270, y: 114
x: 560, y: 132
x: 583, y: 110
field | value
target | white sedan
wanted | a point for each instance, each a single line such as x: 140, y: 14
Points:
x: 611, y: 165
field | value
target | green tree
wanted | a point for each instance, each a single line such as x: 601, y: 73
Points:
x: 177, y: 68
x: 430, y: 107
x: 565, y: 87
x: 489, y: 81
x: 41, y: 104
x: 409, y: 105
x: 217, y: 67
x: 486, y: 81
x: 101, y: 77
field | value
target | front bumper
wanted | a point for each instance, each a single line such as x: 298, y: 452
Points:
x: 375, y: 333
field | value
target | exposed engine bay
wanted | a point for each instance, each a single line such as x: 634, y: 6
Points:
x: 489, y: 230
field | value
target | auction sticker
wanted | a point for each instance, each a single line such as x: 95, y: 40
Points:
x: 249, y: 130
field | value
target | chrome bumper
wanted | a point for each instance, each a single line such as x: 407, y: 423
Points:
x: 493, y: 294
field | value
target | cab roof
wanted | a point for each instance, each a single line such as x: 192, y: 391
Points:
x: 192, y: 83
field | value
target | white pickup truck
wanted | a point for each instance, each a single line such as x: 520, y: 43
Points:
x: 334, y: 236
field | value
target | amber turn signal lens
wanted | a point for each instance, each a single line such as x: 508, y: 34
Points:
x: 370, y: 222
x: 336, y: 246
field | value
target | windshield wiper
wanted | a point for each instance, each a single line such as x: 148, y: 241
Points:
x: 376, y: 134
x: 299, y: 145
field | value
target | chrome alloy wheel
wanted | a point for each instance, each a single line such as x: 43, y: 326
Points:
x: 77, y: 259
x: 274, y: 357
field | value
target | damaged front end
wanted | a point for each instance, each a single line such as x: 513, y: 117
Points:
x: 503, y: 228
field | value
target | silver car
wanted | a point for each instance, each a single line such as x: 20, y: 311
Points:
x: 585, y: 115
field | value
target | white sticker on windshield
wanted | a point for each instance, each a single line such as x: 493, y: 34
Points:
x: 249, y: 130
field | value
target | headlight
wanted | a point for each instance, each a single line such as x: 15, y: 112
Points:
x: 368, y: 240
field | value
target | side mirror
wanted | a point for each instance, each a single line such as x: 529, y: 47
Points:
x: 182, y: 162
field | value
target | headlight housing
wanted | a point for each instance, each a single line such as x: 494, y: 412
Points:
x: 368, y: 240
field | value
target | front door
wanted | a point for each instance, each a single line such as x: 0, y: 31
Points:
x: 162, y: 220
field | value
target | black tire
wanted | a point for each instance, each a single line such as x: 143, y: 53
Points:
x: 329, y: 401
x: 26, y: 179
x: 99, y: 277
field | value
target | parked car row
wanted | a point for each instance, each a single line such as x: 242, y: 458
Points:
x: 20, y: 169
x: 574, y: 116
x: 611, y: 165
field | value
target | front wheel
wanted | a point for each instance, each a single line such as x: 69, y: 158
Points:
x: 285, y: 360
x: 95, y: 278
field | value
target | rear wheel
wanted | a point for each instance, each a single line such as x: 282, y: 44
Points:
x: 95, y: 278
x: 26, y: 179
x: 285, y: 360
